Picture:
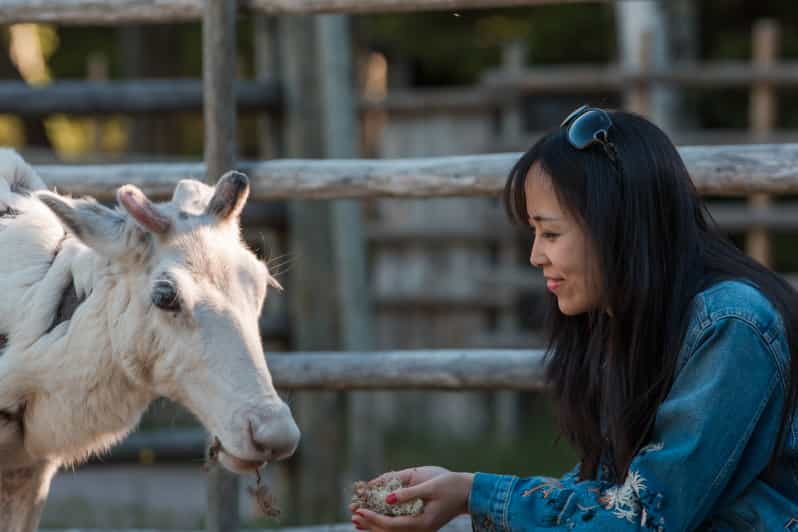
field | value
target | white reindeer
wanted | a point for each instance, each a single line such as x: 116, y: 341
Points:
x: 102, y: 310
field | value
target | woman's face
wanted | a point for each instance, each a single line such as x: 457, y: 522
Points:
x: 560, y: 247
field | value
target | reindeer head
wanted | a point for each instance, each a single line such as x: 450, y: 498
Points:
x: 188, y: 328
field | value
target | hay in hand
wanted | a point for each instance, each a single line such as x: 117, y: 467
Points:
x: 373, y: 497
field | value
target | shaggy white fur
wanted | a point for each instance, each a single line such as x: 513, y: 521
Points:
x: 170, y: 304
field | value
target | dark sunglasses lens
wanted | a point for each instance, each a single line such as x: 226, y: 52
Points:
x: 583, y: 131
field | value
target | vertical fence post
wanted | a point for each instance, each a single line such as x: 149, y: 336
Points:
x: 681, y: 19
x: 507, y: 404
x: 218, y: 73
x: 643, y: 43
x: 313, y: 291
x: 265, y: 69
x: 340, y: 138
x: 513, y: 65
x: 762, y: 112
x: 96, y: 70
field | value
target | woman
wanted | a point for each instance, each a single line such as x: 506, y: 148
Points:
x: 673, y: 356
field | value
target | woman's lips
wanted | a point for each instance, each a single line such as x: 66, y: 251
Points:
x: 553, y: 284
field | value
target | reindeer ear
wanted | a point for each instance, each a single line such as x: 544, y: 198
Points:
x: 192, y: 195
x: 143, y: 210
x: 98, y: 227
x: 229, y: 196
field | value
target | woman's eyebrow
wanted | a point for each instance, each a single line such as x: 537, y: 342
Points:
x: 539, y: 218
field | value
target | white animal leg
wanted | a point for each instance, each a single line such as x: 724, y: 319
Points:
x: 23, y: 492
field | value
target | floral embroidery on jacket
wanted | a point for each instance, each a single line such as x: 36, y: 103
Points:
x: 548, y: 486
x: 651, y: 447
x: 624, y: 500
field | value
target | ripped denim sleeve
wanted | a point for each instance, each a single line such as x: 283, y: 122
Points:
x: 501, y: 502
x: 712, y: 438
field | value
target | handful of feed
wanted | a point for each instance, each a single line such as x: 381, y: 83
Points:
x: 372, y: 497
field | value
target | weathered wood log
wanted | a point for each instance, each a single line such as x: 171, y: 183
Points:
x: 459, y: 100
x: 405, y: 370
x: 172, y: 95
x: 151, y: 96
x: 717, y: 170
x: 161, y: 11
x: 442, y: 300
x: 777, y: 217
x: 387, y: 6
x: 219, y: 113
x: 602, y: 79
x: 145, y: 96
x: 526, y: 279
x: 100, y: 11
x: 695, y: 137
x: 458, y: 524
x: 498, y: 228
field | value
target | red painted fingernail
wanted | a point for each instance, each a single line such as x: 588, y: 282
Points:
x: 357, y: 525
x: 360, y: 514
x: 391, y: 499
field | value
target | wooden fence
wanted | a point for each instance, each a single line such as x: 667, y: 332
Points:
x: 85, y: 12
x: 720, y: 170
x: 716, y: 170
x: 459, y: 524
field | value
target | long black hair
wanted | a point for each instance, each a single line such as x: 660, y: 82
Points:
x: 655, y: 246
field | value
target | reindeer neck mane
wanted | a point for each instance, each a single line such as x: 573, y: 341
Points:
x: 69, y: 300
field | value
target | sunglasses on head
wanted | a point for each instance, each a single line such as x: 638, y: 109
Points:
x: 587, y: 126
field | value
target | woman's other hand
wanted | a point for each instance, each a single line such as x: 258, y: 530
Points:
x: 445, y: 495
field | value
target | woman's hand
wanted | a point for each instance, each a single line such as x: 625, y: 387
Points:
x: 445, y: 495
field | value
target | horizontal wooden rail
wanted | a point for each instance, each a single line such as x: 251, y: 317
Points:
x: 458, y: 524
x: 437, y: 299
x: 298, y: 7
x: 446, y: 369
x: 777, y: 217
x: 526, y: 279
x: 600, y: 78
x: 695, y: 137
x: 448, y: 100
x: 163, y: 11
x: 382, y: 234
x: 717, y: 170
x: 141, y: 96
x: 496, y: 227
x: 167, y: 444
x: 150, y: 96
x: 169, y: 95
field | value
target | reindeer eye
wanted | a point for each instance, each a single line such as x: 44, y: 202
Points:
x: 164, y: 295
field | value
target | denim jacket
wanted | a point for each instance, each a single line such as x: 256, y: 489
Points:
x: 712, y: 439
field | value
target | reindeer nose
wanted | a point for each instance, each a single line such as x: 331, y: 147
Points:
x: 278, y: 434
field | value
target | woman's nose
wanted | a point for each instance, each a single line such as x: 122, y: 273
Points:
x: 536, y: 259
